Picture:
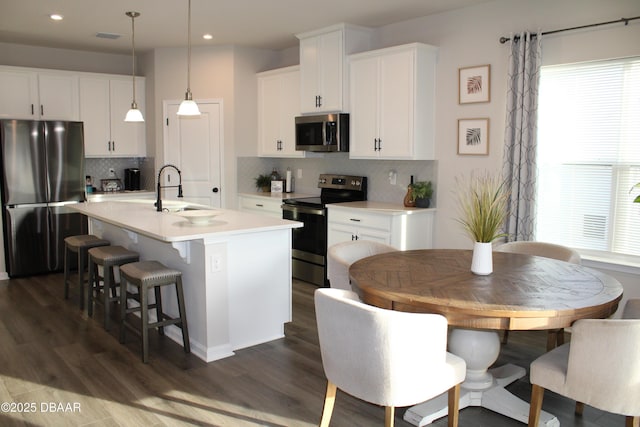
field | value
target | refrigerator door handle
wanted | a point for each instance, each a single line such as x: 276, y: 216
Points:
x: 50, y: 260
x: 57, y: 204
x: 27, y: 205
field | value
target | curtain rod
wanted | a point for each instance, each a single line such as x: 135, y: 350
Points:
x: 503, y: 40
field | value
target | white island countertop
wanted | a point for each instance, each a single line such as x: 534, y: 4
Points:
x: 236, y: 270
x: 140, y: 216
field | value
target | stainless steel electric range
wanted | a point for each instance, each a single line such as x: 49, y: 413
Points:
x: 310, y: 242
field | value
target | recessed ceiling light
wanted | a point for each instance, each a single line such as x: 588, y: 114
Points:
x: 207, y: 37
x: 56, y: 17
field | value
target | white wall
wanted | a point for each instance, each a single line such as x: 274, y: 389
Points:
x: 64, y: 59
x: 468, y: 37
x: 221, y: 72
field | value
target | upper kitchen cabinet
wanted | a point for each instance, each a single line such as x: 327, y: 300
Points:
x: 393, y: 103
x: 38, y: 94
x: 104, y: 102
x: 323, y: 69
x: 278, y: 105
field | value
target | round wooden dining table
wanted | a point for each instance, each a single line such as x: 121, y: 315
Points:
x: 524, y: 292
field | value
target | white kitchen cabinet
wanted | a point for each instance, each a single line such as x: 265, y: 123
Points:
x: 323, y: 69
x: 36, y: 94
x: 104, y: 102
x: 392, y: 95
x: 264, y: 205
x: 278, y: 105
x: 402, y: 228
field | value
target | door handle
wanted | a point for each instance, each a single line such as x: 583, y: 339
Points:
x: 215, y: 189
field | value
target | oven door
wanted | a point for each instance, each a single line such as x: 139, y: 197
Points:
x: 309, y: 242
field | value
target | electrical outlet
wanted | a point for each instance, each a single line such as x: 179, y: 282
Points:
x: 216, y: 263
x: 112, y: 173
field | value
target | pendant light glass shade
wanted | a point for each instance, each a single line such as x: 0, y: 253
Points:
x: 188, y: 107
x: 133, y: 115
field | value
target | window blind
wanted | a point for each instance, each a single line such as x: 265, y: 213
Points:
x: 589, y: 155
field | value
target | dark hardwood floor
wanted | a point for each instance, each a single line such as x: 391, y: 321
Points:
x: 60, y: 367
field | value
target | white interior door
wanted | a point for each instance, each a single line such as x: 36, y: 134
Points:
x: 194, y: 145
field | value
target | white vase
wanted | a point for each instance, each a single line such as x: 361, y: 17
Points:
x: 482, y: 261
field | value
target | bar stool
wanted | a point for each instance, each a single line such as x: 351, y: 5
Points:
x: 108, y: 257
x: 79, y: 244
x: 145, y: 275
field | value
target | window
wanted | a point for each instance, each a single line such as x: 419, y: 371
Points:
x: 589, y: 155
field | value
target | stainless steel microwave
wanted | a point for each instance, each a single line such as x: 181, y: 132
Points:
x: 324, y: 133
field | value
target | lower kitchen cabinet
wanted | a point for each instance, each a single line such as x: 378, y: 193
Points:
x: 402, y: 228
x: 264, y: 205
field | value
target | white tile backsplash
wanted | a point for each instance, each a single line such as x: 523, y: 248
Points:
x: 98, y: 168
x: 376, y: 171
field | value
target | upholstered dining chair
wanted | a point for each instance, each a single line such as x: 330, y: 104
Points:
x: 388, y: 358
x: 341, y: 255
x: 599, y: 367
x: 555, y: 337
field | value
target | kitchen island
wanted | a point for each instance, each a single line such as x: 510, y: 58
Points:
x: 236, y: 269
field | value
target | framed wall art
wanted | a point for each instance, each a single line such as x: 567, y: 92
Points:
x: 473, y: 137
x: 474, y: 84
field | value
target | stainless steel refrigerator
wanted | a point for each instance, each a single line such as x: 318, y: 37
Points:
x: 42, y: 174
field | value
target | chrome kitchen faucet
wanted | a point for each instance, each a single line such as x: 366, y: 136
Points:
x: 160, y: 187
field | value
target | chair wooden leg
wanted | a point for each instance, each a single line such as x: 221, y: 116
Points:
x: 389, y: 415
x: 579, y: 408
x: 537, y: 394
x: 329, y: 401
x: 454, y: 405
x: 632, y: 422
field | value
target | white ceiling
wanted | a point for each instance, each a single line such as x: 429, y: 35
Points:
x: 270, y: 24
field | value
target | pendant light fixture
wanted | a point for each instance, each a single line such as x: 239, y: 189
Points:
x: 188, y: 107
x: 133, y: 115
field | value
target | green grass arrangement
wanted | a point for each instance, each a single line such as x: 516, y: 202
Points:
x: 635, y: 187
x: 482, y: 201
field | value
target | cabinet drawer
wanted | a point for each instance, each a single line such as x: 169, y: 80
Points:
x: 261, y: 204
x: 360, y: 219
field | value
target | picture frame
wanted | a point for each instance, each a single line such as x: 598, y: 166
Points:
x: 277, y: 186
x: 474, y: 84
x: 473, y: 137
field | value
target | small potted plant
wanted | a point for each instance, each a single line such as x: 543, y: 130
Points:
x: 482, y: 202
x: 263, y: 182
x: 421, y: 193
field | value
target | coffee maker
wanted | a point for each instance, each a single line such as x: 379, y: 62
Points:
x: 132, y: 179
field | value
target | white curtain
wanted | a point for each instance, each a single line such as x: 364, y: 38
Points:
x: 519, y: 167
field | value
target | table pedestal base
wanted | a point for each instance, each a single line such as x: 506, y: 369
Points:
x: 482, y: 387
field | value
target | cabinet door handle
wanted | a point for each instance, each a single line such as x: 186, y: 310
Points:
x: 354, y: 219
x: 379, y: 144
x: 319, y: 101
x: 32, y: 110
x: 113, y: 145
x: 260, y: 205
x: 41, y: 110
